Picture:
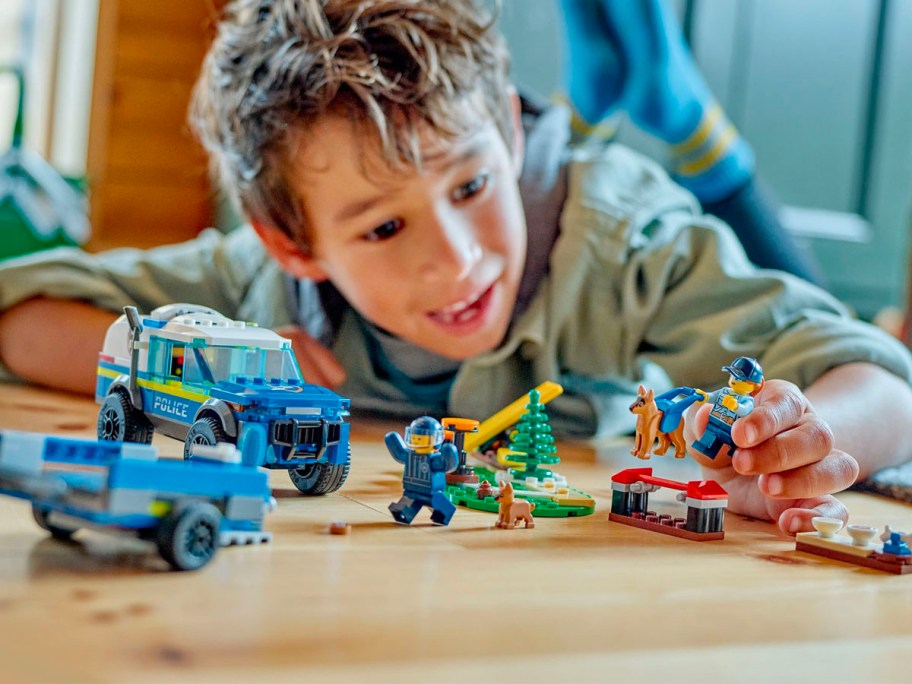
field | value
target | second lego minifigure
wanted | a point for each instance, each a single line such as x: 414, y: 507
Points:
x: 427, y: 459
x: 729, y: 404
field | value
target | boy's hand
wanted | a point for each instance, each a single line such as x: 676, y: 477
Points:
x: 318, y: 364
x: 784, y: 466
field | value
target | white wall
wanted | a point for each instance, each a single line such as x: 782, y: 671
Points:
x: 55, y: 40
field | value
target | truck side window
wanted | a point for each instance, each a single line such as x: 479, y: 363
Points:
x: 158, y: 352
x: 177, y: 361
x: 196, y: 371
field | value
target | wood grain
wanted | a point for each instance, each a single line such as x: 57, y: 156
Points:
x: 571, y: 600
x: 147, y: 58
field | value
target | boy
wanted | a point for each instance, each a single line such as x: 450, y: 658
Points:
x: 376, y: 149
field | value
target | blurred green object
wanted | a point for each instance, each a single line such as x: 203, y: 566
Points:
x: 39, y: 209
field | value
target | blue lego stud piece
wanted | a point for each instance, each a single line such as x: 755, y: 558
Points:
x: 427, y: 459
x: 896, y: 543
x: 729, y: 404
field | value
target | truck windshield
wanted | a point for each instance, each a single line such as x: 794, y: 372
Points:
x: 229, y: 363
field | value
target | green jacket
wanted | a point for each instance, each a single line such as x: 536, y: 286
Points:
x: 640, y: 288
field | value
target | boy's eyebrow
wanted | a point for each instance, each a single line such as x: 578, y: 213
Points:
x: 350, y: 211
x: 442, y: 161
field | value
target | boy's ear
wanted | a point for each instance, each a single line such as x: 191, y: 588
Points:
x: 290, y: 256
x: 519, y: 137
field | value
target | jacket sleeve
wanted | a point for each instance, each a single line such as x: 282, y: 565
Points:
x: 220, y: 271
x: 696, y: 302
x: 230, y: 273
x: 647, y: 289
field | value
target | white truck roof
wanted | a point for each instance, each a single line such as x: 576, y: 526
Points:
x: 188, y: 322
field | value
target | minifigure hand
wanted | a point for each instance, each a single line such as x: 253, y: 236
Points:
x: 784, y: 466
x: 318, y: 364
x: 729, y: 402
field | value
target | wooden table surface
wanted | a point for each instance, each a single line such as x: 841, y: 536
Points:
x: 571, y: 600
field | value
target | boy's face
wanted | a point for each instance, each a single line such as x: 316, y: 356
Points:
x: 434, y: 257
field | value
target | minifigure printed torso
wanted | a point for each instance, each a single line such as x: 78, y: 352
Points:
x: 424, y: 472
x: 722, y: 412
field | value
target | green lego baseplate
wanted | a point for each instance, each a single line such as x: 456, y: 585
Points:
x: 547, y: 503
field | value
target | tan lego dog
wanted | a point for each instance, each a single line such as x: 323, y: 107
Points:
x: 647, y: 428
x: 513, y: 510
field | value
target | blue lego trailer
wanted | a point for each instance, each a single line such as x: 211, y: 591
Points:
x: 188, y: 509
x: 192, y: 374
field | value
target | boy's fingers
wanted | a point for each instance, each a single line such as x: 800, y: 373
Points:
x: 321, y: 365
x: 810, y: 441
x: 695, y: 419
x: 832, y: 474
x: 798, y: 518
x: 780, y: 405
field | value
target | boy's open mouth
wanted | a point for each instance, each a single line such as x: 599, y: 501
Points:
x: 465, y: 311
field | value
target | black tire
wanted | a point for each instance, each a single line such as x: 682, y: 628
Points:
x: 317, y: 479
x: 206, y: 430
x: 120, y: 421
x: 188, y: 536
x: 41, y: 517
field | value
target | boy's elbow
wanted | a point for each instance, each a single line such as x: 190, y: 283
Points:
x: 53, y: 343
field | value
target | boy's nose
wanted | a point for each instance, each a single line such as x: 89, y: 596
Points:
x: 453, y: 251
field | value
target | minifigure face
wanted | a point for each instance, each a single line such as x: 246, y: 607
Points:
x: 421, y: 444
x: 742, y: 386
x: 433, y: 256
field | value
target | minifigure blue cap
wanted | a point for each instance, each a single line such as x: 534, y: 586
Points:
x: 746, y: 368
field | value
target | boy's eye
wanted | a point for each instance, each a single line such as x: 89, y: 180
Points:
x: 472, y: 188
x: 383, y: 232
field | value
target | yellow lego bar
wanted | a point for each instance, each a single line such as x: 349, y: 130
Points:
x: 509, y: 415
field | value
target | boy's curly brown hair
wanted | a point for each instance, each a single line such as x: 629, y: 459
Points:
x: 392, y: 66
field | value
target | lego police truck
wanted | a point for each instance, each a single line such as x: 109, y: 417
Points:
x: 192, y: 374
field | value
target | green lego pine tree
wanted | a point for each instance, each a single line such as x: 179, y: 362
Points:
x: 532, y: 443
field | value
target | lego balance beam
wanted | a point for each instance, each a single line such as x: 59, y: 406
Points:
x: 509, y: 415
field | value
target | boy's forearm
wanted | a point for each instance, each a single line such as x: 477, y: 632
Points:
x: 869, y: 411
x: 54, y: 342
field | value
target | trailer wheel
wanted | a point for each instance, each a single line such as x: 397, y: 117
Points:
x: 206, y: 430
x: 120, y: 421
x: 57, y: 532
x: 317, y: 479
x: 188, y: 536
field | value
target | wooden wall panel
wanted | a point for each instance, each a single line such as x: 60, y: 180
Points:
x: 146, y: 223
x: 147, y: 175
